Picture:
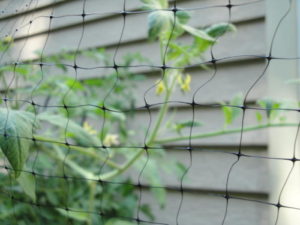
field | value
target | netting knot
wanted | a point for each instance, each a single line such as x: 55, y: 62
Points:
x: 226, y: 196
x: 164, y: 67
x: 115, y: 66
x: 229, y: 6
x: 294, y: 159
x: 123, y: 13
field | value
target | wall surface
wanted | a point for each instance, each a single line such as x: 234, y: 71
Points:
x: 203, y: 203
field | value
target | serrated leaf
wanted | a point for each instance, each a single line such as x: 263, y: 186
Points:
x: 219, y: 29
x: 27, y: 182
x: 15, y: 124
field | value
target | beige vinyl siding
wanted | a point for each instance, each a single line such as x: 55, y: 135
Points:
x: 209, y: 170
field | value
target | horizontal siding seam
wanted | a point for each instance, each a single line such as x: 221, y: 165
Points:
x: 79, y: 24
x: 21, y: 13
x: 50, y: 5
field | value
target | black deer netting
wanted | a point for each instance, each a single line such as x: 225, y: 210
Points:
x: 148, y: 112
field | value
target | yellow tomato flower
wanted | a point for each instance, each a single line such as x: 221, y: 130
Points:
x: 160, y: 88
x: 111, y: 139
x: 179, y: 79
x: 185, y: 84
x: 8, y: 39
x: 88, y: 128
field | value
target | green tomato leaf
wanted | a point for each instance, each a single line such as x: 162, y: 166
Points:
x: 270, y: 105
x: 15, y: 124
x: 183, y: 17
x: 159, y: 21
x: 146, y: 209
x: 118, y: 222
x: 236, y: 101
x: 227, y: 111
x: 152, y: 174
x: 177, y: 50
x: 79, y: 216
x: 259, y: 117
x: 27, y: 182
x: 200, y: 46
x: 155, y: 4
x: 198, y: 33
x: 231, y: 112
x: 179, y: 126
x: 219, y: 29
x: 74, y: 84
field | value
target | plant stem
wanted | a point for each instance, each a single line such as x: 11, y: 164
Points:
x: 59, y: 155
x: 92, y: 186
x: 224, y: 132
x: 87, y: 151
x: 151, y: 140
x: 161, y: 115
x: 17, y: 105
x: 163, y: 110
x: 4, y: 82
x: 114, y: 173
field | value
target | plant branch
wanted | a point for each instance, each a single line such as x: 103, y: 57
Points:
x: 151, y: 140
x: 224, y: 132
x: 59, y: 155
x: 87, y: 151
x: 162, y: 112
